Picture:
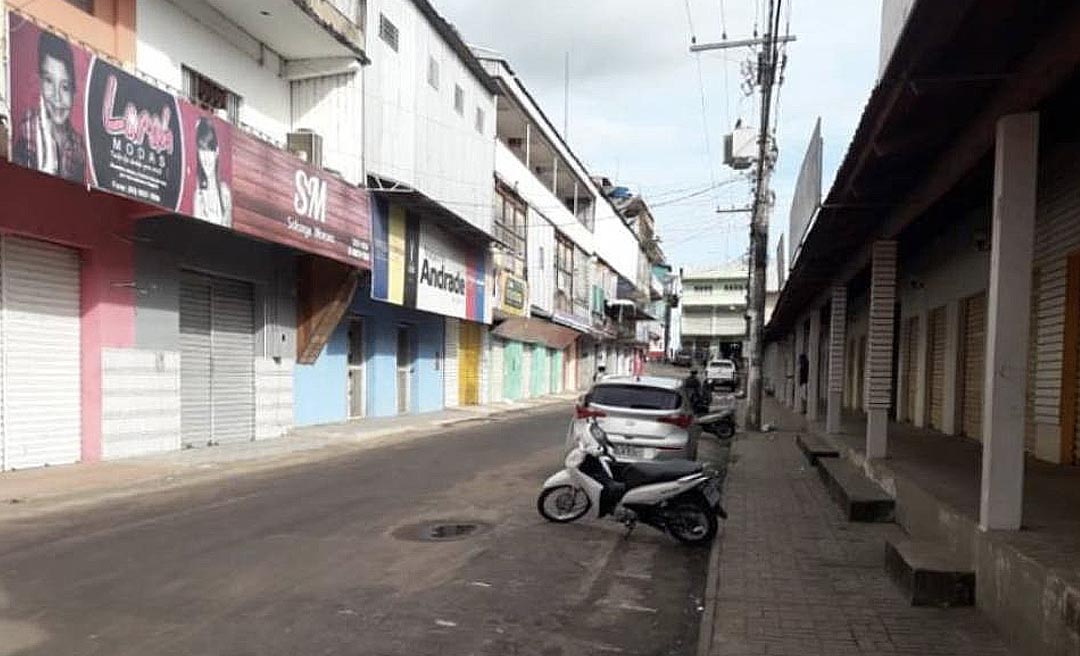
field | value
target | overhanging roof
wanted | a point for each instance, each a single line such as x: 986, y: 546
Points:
x: 957, y: 68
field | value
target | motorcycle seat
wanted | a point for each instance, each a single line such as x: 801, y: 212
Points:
x: 636, y: 474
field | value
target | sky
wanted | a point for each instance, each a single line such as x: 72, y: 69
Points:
x: 647, y: 113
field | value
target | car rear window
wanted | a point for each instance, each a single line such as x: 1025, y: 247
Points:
x: 636, y: 397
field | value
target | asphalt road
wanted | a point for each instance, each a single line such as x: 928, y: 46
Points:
x: 321, y: 559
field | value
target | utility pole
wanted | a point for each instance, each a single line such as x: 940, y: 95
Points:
x: 768, y: 62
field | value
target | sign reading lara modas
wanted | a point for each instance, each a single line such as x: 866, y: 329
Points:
x: 280, y: 198
x: 80, y: 118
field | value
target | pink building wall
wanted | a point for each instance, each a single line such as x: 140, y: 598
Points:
x: 100, y: 227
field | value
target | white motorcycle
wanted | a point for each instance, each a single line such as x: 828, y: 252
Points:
x: 675, y: 496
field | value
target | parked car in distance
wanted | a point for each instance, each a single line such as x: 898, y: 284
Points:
x: 645, y: 417
x: 721, y: 374
x: 681, y: 358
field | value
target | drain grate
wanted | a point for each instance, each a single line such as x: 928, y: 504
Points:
x: 440, y: 531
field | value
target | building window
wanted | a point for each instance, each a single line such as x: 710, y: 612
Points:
x: 581, y: 278
x: 705, y: 289
x: 480, y: 120
x: 564, y: 268
x: 433, y: 73
x: 85, y: 5
x: 388, y: 32
x: 734, y: 287
x: 509, y: 219
x: 459, y: 100
x: 211, y: 95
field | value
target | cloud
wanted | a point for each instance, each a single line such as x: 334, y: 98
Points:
x: 636, y: 101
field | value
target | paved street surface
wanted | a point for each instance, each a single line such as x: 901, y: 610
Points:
x: 321, y: 559
x: 795, y: 578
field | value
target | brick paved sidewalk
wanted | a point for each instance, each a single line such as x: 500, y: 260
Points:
x: 795, y: 578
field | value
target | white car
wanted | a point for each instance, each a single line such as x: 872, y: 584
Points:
x: 721, y: 374
x: 645, y: 417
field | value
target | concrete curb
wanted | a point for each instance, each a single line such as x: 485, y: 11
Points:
x: 708, y: 616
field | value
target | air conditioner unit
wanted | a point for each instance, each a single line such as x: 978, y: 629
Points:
x: 307, y: 145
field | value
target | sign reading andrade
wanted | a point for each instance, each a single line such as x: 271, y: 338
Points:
x: 419, y: 265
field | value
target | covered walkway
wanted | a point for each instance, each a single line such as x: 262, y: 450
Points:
x: 1032, y: 574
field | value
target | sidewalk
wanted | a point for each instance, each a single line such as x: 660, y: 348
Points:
x: 790, y: 576
x: 31, y: 492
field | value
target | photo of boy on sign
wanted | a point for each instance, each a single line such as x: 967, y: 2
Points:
x: 45, y: 138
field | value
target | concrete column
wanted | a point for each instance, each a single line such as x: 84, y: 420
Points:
x: 950, y: 408
x: 812, y: 351
x: 879, y: 347
x: 837, y: 361
x: 922, y: 371
x: 800, y: 348
x: 1016, y: 161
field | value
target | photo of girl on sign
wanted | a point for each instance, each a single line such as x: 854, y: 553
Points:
x: 213, y: 199
x: 45, y: 138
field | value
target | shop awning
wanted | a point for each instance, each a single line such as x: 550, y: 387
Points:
x: 536, y: 331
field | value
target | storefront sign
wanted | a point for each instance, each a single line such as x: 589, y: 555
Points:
x: 418, y: 265
x: 512, y: 294
x: 80, y: 118
x: 280, y: 198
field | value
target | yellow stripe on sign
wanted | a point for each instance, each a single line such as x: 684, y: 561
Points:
x: 396, y: 257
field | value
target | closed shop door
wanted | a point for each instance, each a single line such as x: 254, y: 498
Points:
x: 405, y: 368
x: 39, y: 288
x: 570, y: 367
x: 498, y: 378
x: 556, y: 371
x: 526, y: 370
x: 469, y: 364
x: 357, y: 392
x: 452, y: 348
x: 911, y: 368
x: 513, y: 354
x: 974, y: 355
x: 539, y: 370
x: 936, y: 374
x: 217, y: 360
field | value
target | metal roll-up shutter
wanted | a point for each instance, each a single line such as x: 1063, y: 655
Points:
x: 1030, y: 427
x: 570, y: 368
x: 41, y: 354
x: 911, y: 368
x: 974, y: 357
x: 469, y: 363
x: 936, y: 376
x: 525, y: 381
x: 196, y: 423
x: 496, y: 377
x: 556, y: 358
x: 232, y: 355
x: 217, y: 360
x: 452, y: 335
x: 1076, y: 422
x: 485, y: 365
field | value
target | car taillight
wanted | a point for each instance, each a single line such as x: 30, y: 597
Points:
x: 585, y: 412
x: 682, y: 421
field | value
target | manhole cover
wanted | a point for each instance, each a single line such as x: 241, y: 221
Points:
x: 440, y: 531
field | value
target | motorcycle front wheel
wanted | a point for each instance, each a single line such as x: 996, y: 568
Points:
x: 563, y: 503
x: 724, y: 430
x: 692, y: 523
